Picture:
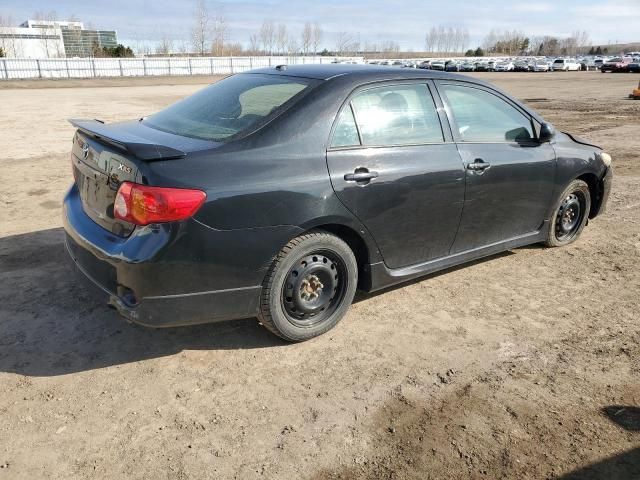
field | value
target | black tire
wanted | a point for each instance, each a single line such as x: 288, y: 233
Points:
x: 297, y: 311
x: 570, y: 215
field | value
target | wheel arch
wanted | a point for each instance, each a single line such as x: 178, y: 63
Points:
x: 364, y: 251
x: 595, y: 191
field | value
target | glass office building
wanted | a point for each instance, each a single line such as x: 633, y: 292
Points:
x: 54, y: 38
x: 82, y: 43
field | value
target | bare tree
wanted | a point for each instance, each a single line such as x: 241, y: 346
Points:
x: 183, y: 47
x: 165, y: 46
x: 508, y: 42
x: 292, y: 46
x: 582, y: 41
x: 267, y: 36
x: 254, y: 44
x: 550, y: 46
x: 234, y: 49
x: 389, y: 46
x: 307, y: 38
x: 200, y: 30
x: 281, y: 39
x: 449, y: 40
x: 370, y: 47
x: 465, y: 40
x: 489, y: 41
x: 535, y: 44
x: 316, y: 37
x: 430, y: 40
x: 219, y: 32
x: 345, y: 43
x: 7, y: 44
x: 143, y: 48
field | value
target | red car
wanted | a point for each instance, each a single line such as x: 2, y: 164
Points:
x: 618, y: 64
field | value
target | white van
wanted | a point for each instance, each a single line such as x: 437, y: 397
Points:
x: 565, y: 64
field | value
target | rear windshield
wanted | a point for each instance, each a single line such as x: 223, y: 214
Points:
x: 231, y: 107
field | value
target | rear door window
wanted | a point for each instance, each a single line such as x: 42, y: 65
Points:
x: 346, y: 132
x: 397, y: 115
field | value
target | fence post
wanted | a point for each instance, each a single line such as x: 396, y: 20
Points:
x: 190, y: 71
x: 144, y: 67
x: 231, y: 64
x: 120, y: 67
x: 93, y: 67
x: 39, y: 69
x: 6, y: 71
x: 66, y: 63
x: 211, y: 64
x: 251, y: 62
x: 169, y: 63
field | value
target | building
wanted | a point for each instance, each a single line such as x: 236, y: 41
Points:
x: 54, y: 39
x: 21, y: 42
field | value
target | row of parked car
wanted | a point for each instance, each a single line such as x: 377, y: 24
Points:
x: 523, y: 64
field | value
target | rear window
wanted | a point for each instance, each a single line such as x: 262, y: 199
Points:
x: 231, y: 107
x: 559, y: 61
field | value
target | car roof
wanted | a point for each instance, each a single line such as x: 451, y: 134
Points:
x: 363, y: 72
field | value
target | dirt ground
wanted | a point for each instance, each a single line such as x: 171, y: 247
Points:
x: 524, y: 365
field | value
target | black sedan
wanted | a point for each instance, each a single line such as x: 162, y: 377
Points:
x: 278, y: 192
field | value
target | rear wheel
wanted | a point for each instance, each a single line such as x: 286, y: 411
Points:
x: 570, y: 216
x: 309, y: 287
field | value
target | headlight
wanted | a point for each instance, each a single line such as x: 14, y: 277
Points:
x: 606, y: 158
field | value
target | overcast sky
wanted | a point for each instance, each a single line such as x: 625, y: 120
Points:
x: 404, y: 21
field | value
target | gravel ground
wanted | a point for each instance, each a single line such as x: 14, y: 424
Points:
x: 524, y: 365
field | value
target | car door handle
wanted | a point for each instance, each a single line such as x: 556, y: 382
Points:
x: 360, y: 176
x: 478, y: 165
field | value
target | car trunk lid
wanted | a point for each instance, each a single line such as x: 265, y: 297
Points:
x: 104, y: 156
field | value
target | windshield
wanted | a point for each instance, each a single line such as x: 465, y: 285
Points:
x: 231, y: 106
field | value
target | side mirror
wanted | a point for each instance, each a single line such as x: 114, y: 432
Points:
x: 547, y: 132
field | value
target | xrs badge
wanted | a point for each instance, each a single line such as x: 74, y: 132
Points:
x: 124, y: 168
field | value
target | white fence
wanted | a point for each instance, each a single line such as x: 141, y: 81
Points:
x: 19, y: 68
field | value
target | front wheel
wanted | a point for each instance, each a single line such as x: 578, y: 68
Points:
x: 309, y: 286
x: 570, y: 216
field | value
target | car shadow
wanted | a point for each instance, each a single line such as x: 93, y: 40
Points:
x: 623, y: 466
x: 50, y: 324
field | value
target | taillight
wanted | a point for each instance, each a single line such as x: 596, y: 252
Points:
x: 142, y: 205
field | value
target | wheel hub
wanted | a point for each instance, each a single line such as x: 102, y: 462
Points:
x: 312, y: 288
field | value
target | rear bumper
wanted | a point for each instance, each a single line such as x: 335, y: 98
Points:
x: 168, y: 310
x: 165, y: 310
x: 172, y: 274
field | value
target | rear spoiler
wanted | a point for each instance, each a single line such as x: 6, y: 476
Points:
x: 119, y: 138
